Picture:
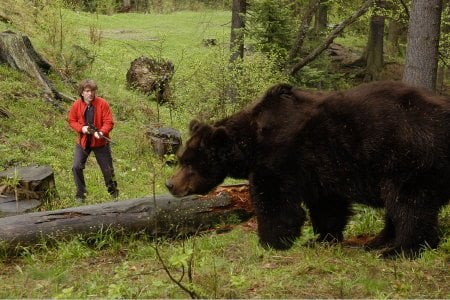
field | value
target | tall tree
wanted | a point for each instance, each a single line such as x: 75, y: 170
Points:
x: 126, y: 6
x: 422, y: 43
x: 396, y: 27
x: 321, y: 16
x: 396, y: 31
x: 374, y: 50
x: 237, y: 29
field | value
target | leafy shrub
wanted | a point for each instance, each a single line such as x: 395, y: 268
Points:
x: 271, y: 26
x: 218, y: 89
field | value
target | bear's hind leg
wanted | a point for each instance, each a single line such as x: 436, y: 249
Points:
x: 278, y: 212
x: 416, y: 227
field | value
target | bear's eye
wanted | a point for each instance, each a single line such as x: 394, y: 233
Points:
x: 183, y: 161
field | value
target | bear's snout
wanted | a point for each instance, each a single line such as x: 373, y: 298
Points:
x: 175, y: 189
x: 169, y: 185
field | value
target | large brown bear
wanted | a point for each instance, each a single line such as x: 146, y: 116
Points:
x: 383, y: 144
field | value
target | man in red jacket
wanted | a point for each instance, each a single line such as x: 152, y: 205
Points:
x: 91, y: 117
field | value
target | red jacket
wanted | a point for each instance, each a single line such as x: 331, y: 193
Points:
x: 103, y: 120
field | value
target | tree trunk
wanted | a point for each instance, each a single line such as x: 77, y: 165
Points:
x: 374, y: 50
x: 162, y: 216
x: 395, y: 33
x: 17, y: 51
x: 237, y: 29
x: 321, y: 17
x: 422, y: 44
x: 126, y: 6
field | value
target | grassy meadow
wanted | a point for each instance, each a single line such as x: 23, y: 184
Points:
x: 224, y: 264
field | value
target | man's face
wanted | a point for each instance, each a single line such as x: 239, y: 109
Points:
x: 88, y: 94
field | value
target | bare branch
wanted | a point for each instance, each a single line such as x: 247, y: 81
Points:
x: 362, y: 10
x: 306, y: 20
x: 191, y: 293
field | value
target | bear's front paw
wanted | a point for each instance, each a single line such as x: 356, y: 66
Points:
x: 278, y: 243
x: 378, y: 242
x: 396, y: 252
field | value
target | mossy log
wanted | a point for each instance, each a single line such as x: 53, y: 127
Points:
x: 161, y: 216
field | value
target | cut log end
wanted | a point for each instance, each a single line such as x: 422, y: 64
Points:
x: 238, y: 194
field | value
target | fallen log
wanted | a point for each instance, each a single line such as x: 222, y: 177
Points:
x: 159, y: 216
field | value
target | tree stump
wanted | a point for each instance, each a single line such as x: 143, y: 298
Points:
x: 149, y: 75
x: 164, y: 140
x: 17, y: 51
x: 25, y: 188
x: 159, y: 216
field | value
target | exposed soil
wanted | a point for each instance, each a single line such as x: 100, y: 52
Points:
x: 357, y: 241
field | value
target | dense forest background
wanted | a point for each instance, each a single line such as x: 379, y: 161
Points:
x: 225, y: 55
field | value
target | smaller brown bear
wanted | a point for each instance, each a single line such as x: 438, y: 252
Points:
x: 383, y: 144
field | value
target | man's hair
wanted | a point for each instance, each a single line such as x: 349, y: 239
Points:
x: 87, y: 83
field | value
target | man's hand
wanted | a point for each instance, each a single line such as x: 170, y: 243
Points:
x: 85, y: 129
x: 98, y: 134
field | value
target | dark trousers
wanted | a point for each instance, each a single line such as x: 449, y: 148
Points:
x: 104, y: 160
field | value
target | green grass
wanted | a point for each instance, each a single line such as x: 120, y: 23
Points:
x: 225, y: 265
x: 52, y: 142
x: 230, y: 265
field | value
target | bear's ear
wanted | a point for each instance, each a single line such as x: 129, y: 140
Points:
x: 220, y: 136
x: 194, y: 126
x: 279, y: 90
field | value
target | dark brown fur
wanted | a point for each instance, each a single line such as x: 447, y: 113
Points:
x: 382, y: 144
